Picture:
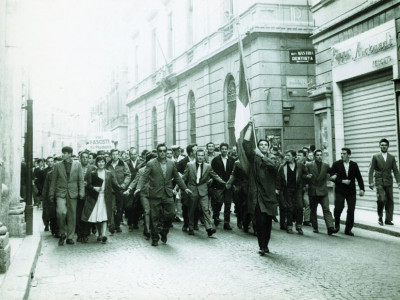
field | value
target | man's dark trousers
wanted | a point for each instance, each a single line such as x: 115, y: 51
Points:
x: 162, y: 213
x: 385, y: 200
x: 339, y: 206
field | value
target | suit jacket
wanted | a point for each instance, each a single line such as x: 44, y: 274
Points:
x: 160, y: 185
x: 121, y: 174
x: 181, y: 165
x: 134, y: 170
x: 218, y: 167
x: 354, y: 173
x: 61, y: 185
x: 317, y: 184
x: 190, y: 178
x: 383, y: 170
x: 301, y: 173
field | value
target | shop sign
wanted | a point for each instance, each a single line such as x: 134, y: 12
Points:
x: 364, y: 53
x: 304, y: 56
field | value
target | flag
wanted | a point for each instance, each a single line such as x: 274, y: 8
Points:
x: 242, y: 117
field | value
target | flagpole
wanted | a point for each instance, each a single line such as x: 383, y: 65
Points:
x: 241, y: 51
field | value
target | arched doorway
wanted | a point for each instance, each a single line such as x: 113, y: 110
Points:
x: 170, y: 125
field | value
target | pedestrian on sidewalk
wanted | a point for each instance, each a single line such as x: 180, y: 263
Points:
x: 49, y: 208
x: 318, y: 191
x: 380, y: 170
x: 344, y: 173
x: 98, y: 207
x: 66, y: 185
x: 159, y: 173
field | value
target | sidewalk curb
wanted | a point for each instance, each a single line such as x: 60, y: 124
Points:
x: 17, y: 282
x: 380, y: 229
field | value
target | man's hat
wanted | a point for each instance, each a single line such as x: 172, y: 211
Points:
x: 175, y: 147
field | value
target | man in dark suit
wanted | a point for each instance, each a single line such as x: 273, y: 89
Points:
x: 290, y: 183
x: 133, y: 213
x: 318, y: 191
x: 66, y: 185
x: 344, y: 173
x: 197, y: 176
x: 380, y: 169
x: 223, y: 166
x: 181, y: 166
x: 159, y: 173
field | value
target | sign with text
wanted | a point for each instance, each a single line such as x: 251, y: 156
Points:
x: 303, y: 56
x: 100, y: 142
x: 369, y: 51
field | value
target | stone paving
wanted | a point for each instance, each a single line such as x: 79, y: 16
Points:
x: 313, y: 266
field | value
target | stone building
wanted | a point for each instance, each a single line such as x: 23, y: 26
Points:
x: 356, y: 96
x: 184, y: 70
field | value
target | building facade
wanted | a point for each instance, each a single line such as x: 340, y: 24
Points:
x: 356, y: 96
x: 184, y: 70
x: 110, y: 114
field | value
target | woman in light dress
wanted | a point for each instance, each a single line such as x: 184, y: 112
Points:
x: 98, y: 208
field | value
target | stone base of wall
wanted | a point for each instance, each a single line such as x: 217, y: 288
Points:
x: 5, y: 252
x: 16, y: 225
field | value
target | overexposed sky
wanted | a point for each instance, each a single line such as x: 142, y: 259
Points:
x: 72, y: 45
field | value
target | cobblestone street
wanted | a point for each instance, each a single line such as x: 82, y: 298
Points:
x: 313, y: 266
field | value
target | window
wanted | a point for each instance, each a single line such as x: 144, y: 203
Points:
x: 190, y: 24
x: 137, y: 132
x: 231, y: 102
x: 191, y: 118
x: 153, y: 49
x: 170, y: 36
x: 170, y: 123
x: 154, y: 127
x: 136, y: 64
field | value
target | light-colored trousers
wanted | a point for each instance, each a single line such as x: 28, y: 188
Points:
x: 66, y: 216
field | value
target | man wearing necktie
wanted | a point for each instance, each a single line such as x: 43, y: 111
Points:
x: 197, y: 176
x: 318, y: 191
x: 380, y: 170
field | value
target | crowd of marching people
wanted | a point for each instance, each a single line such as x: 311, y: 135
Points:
x: 93, y: 193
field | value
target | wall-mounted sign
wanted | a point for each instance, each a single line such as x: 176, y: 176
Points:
x: 364, y: 53
x: 297, y: 82
x: 303, y: 56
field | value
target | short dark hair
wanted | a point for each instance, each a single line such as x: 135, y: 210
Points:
x: 66, y: 149
x: 189, y: 148
x: 161, y: 145
x: 94, y: 155
x: 306, y: 149
x: 40, y: 160
x: 209, y: 143
x: 312, y: 147
x: 384, y: 141
x: 200, y: 150
x: 144, y: 152
x: 292, y: 152
x: 83, y: 152
x: 347, y: 150
x: 317, y: 150
x: 113, y: 150
x: 302, y: 152
x: 100, y: 158
x: 262, y: 140
x: 223, y: 144
x: 101, y: 152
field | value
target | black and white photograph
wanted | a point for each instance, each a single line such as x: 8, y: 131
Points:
x: 199, y: 149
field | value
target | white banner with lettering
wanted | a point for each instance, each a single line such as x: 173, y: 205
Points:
x: 100, y: 141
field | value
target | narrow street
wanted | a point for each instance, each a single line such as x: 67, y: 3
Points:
x: 313, y: 266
